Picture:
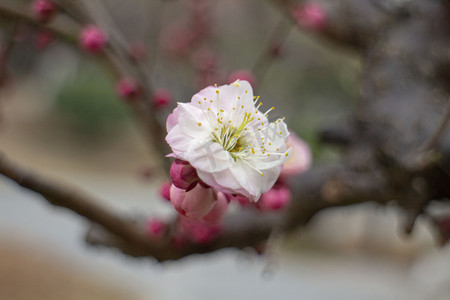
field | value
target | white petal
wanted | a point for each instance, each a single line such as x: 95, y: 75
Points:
x: 208, y: 156
x: 192, y: 121
x: 178, y: 141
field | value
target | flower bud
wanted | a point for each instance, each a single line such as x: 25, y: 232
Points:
x: 300, y: 159
x: 199, y: 232
x: 194, y: 204
x: 310, y: 16
x: 218, y: 211
x: 162, y: 98
x: 155, y: 227
x: 93, y: 39
x: 44, y: 10
x: 246, y: 75
x: 128, y: 88
x: 275, y: 199
x: 183, y: 175
x: 164, y: 190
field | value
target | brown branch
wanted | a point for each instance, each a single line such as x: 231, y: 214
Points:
x: 351, y: 23
x: 317, y: 190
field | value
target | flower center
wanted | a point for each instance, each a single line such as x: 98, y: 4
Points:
x: 231, y: 138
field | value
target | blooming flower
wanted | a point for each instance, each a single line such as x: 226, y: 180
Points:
x: 223, y: 134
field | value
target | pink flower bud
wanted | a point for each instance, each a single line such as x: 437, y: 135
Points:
x: 128, y: 88
x: 155, y: 228
x: 194, y: 204
x: 243, y: 75
x: 199, y: 232
x: 310, y: 16
x: 183, y: 175
x: 162, y: 98
x: 275, y: 199
x: 300, y: 159
x: 93, y: 39
x: 164, y: 190
x: 44, y: 10
x: 218, y: 211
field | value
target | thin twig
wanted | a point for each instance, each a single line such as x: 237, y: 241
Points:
x: 433, y: 139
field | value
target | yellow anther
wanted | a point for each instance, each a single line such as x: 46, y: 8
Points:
x: 199, y: 102
x: 217, y: 91
x: 287, y: 154
x: 278, y: 149
x: 268, y: 154
x: 199, y: 124
x: 211, y: 101
x: 262, y: 174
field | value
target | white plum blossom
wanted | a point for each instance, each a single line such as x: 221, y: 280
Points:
x: 223, y: 134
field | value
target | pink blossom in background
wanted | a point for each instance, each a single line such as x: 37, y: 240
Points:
x: 128, y: 88
x: 183, y: 175
x: 199, y: 232
x: 44, y: 10
x: 277, y: 198
x: 93, y: 39
x: 246, y: 75
x: 155, y: 228
x: 195, y: 203
x: 219, y: 209
x: 301, y: 159
x: 162, y: 98
x: 164, y: 190
x: 310, y: 16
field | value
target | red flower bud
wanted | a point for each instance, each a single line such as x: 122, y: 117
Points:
x: 128, y: 88
x: 183, y: 175
x: 162, y: 98
x: 310, y: 16
x: 44, y: 10
x: 93, y: 39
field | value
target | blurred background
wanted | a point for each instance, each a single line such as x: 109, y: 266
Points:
x: 60, y: 115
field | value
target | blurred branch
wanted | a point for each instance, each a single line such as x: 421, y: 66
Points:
x: 351, y: 23
x: 315, y: 191
x: 431, y: 142
x: 270, y: 51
